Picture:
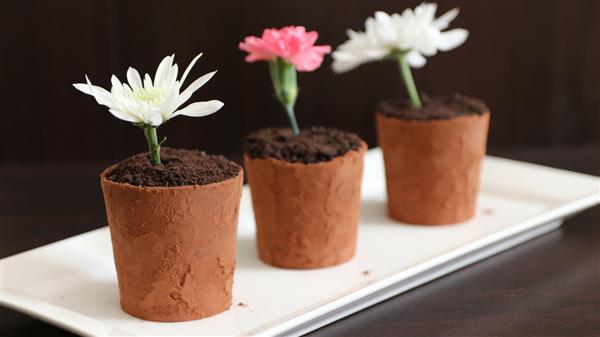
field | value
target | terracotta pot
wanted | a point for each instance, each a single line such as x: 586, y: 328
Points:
x: 174, y: 247
x: 306, y: 214
x: 432, y: 167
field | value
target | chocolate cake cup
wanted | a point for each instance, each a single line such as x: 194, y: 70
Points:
x: 306, y: 214
x: 432, y: 167
x: 174, y: 247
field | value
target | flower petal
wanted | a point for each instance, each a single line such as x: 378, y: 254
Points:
x: 116, y: 84
x: 169, y: 103
x: 124, y: 116
x: 426, y: 42
x: 360, y: 48
x: 163, y: 69
x: 310, y: 59
x: 415, y: 59
x: 148, y: 81
x: 189, y: 68
x: 443, y: 21
x: 257, y: 49
x: 452, y: 38
x: 134, y: 79
x: 187, y: 93
x: 200, y: 109
x: 153, y: 117
x: 84, y: 88
x: 169, y: 81
x: 385, y: 28
x: 426, y: 12
x: 346, y: 63
x: 102, y: 96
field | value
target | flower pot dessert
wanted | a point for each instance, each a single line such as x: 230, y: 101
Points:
x: 173, y: 229
x: 305, y: 183
x: 433, y: 157
x: 432, y: 147
x: 305, y: 194
x: 172, y: 213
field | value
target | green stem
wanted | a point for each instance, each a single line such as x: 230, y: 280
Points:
x: 153, y: 144
x: 409, y: 82
x: 292, y: 116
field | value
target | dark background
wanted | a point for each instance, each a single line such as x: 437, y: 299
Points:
x: 535, y: 62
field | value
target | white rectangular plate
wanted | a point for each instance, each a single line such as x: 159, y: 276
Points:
x: 72, y: 283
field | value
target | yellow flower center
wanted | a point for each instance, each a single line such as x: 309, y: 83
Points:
x: 150, y: 95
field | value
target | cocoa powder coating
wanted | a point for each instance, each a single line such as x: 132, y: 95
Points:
x: 306, y: 214
x: 174, y: 247
x: 433, y: 166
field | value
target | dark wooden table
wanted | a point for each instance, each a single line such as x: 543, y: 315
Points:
x: 547, y: 287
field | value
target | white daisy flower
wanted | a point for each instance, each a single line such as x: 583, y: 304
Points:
x: 414, y: 33
x: 152, y: 102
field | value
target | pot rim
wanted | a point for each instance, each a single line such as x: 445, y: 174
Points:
x: 485, y: 114
x: 105, y: 180
x: 361, y: 149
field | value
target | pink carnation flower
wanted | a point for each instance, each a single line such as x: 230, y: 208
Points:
x: 293, y: 44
